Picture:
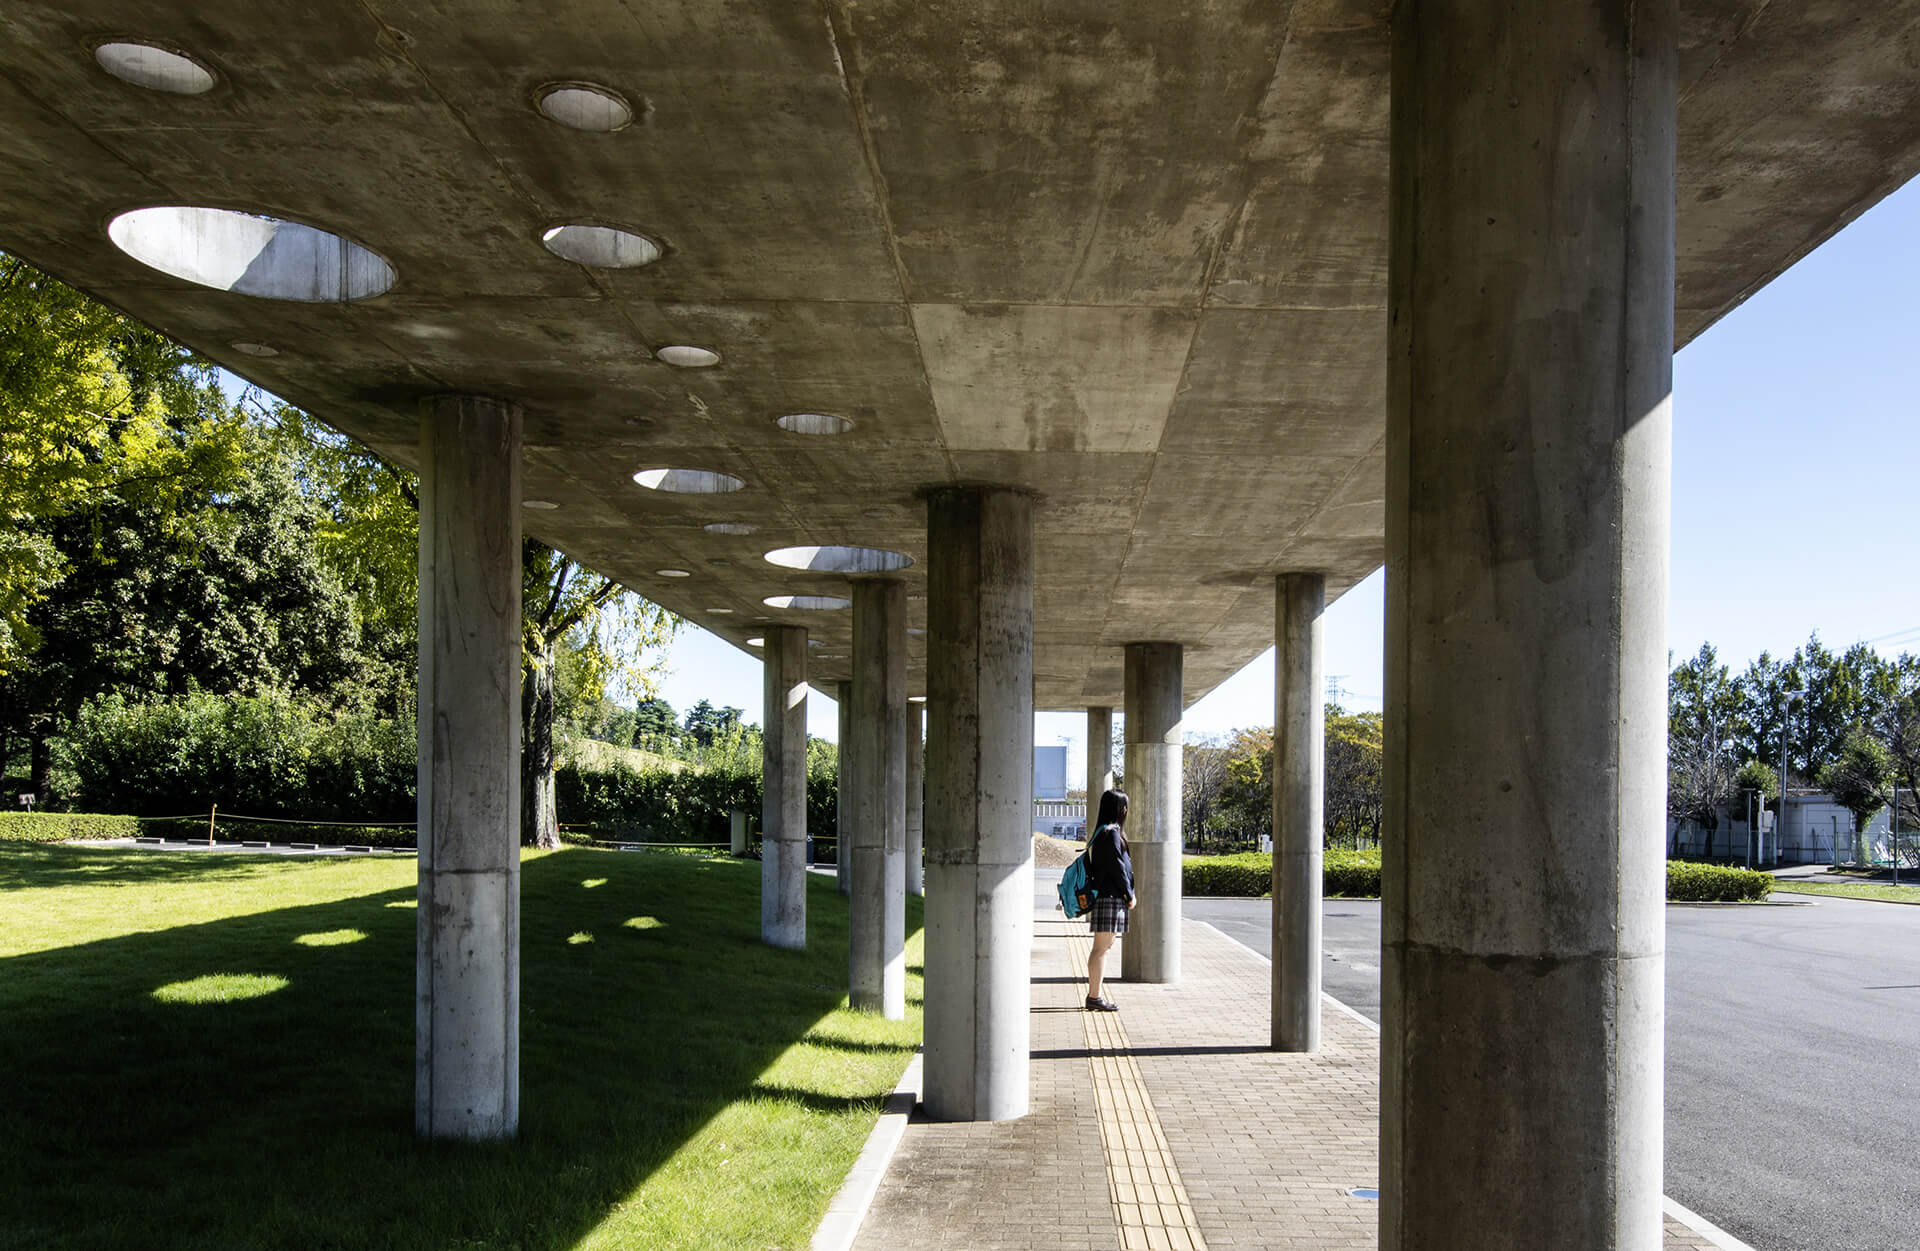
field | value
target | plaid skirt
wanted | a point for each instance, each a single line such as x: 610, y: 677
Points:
x: 1109, y: 915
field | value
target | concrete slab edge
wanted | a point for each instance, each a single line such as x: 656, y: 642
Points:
x: 841, y: 1224
x: 1702, y: 1226
x: 1686, y: 1216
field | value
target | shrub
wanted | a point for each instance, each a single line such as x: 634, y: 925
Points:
x: 1353, y: 874
x: 685, y: 807
x: 56, y: 827
x: 1708, y: 883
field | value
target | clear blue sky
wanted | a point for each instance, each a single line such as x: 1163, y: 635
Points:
x: 1796, y: 427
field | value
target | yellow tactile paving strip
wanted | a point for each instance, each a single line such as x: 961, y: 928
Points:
x: 1150, y: 1205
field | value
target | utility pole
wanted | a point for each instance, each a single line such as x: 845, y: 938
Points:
x: 1786, y: 719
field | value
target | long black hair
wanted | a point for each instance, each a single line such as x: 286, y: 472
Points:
x: 1113, y: 809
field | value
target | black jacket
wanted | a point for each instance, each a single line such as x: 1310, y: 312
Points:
x: 1109, y: 868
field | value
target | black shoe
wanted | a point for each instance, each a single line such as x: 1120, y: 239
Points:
x: 1101, y: 1004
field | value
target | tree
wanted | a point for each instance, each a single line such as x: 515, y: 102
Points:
x: 1246, y: 795
x: 1355, y: 796
x: 1705, y: 721
x: 706, y: 724
x: 1857, y: 779
x: 218, y: 588
x: 1203, y: 777
x: 93, y: 408
x: 603, y: 633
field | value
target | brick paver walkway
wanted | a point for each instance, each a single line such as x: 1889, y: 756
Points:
x: 1240, y: 1147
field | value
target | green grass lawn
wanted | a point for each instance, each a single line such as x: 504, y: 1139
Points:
x: 1885, y: 892
x: 217, y: 1052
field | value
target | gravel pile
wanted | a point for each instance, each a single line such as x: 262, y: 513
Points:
x: 1053, y: 853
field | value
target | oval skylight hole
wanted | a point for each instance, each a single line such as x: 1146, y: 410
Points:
x: 813, y: 423
x: 249, y: 254
x: 688, y: 481
x: 756, y: 642
x: 603, y: 247
x: 156, y: 69
x: 544, y: 506
x: 840, y: 559
x: 672, y: 573
x: 685, y: 356
x: 729, y: 527
x: 808, y: 603
x: 255, y: 349
x: 583, y: 106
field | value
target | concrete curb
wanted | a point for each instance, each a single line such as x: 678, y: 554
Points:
x: 841, y: 1224
x: 1686, y: 1216
x: 1702, y: 1226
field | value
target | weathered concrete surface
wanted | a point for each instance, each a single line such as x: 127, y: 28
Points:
x: 1299, y: 753
x: 467, y: 992
x: 1529, y: 446
x: 1099, y: 761
x: 979, y: 853
x: 846, y: 816
x: 873, y: 763
x: 783, y: 798
x: 916, y: 801
x: 1151, y: 950
x: 1130, y: 256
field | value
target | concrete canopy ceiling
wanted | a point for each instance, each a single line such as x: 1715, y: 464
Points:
x: 1129, y: 254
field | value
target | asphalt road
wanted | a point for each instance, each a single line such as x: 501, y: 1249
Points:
x: 1792, y: 1040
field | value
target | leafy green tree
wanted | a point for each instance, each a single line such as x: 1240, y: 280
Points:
x: 1246, y: 793
x: 93, y: 408
x: 1355, y: 795
x: 599, y: 635
x: 1857, y: 779
x: 220, y: 588
x: 705, y: 724
x: 1705, y: 721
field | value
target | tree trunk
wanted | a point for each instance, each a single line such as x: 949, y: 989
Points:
x: 539, y: 821
x: 41, y: 771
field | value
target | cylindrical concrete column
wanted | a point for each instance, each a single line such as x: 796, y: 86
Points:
x: 783, y: 794
x: 916, y: 805
x: 467, y: 987
x: 1099, y: 761
x: 979, y: 914
x: 1151, y: 950
x: 1528, y: 457
x: 1299, y: 738
x: 842, y: 797
x: 877, y: 771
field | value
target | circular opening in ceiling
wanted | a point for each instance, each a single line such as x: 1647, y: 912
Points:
x: 683, y: 356
x: 603, y: 247
x: 249, y: 254
x: 255, y: 349
x: 584, y: 106
x: 672, y: 573
x: 839, y: 559
x: 756, y: 642
x: 729, y: 527
x: 539, y: 505
x: 156, y: 69
x: 721, y: 612
x: 808, y: 603
x: 813, y: 423
x: 688, y: 481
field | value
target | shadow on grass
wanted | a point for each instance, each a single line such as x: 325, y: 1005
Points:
x: 285, y: 1119
x: 78, y: 864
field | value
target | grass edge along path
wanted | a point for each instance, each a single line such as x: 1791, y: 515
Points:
x: 1877, y: 892
x: 217, y: 1052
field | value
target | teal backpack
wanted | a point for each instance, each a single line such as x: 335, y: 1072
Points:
x: 1076, y: 897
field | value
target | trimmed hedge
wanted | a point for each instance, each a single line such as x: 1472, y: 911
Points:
x: 58, y: 827
x: 1344, y: 873
x: 622, y: 804
x: 1712, y: 883
x: 1356, y: 875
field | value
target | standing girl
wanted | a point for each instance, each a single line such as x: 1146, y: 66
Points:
x: 1110, y: 874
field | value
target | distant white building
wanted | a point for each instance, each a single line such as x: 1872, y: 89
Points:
x: 1813, y: 828
x: 1049, y: 772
